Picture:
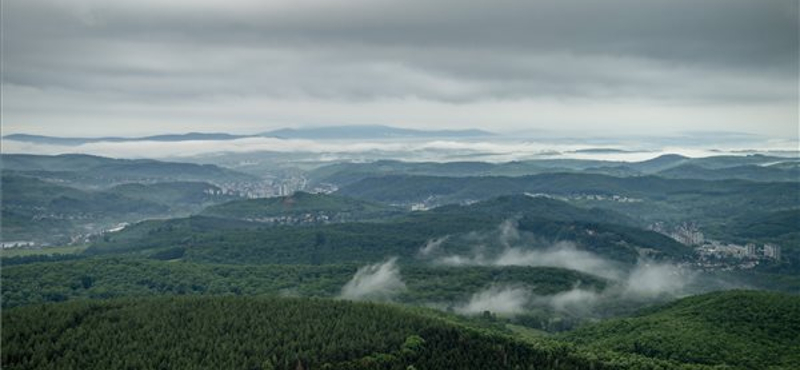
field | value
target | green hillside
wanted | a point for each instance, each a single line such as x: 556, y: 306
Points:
x: 103, y: 278
x: 747, y: 172
x: 92, y: 171
x: 180, y: 197
x: 250, y: 333
x: 672, y: 165
x: 302, y: 208
x: 216, y: 240
x: 36, y: 210
x: 270, y: 333
x: 739, y: 329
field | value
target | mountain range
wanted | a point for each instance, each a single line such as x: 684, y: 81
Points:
x: 332, y: 132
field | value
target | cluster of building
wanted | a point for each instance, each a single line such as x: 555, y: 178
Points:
x: 17, y: 244
x: 247, y: 189
x: 687, y: 233
x: 595, y: 197
x: 272, y: 188
x: 751, y: 251
x: 306, y: 218
x: 715, y: 255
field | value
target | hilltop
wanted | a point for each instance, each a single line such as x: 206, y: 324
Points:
x: 301, y: 207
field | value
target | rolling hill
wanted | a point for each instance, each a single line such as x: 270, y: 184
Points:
x: 100, y: 172
x: 226, y: 240
x: 270, y: 333
x: 302, y: 208
x: 735, y: 329
x: 41, y: 211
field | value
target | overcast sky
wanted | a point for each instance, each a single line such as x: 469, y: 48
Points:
x: 134, y: 67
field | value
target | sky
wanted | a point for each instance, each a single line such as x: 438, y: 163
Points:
x: 140, y: 67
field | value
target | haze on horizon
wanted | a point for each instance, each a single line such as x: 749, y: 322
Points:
x: 126, y: 68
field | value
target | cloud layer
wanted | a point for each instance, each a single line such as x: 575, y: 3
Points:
x: 142, y: 66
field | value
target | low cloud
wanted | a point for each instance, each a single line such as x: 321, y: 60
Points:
x: 576, y: 300
x: 432, y: 246
x: 562, y: 254
x: 497, y: 299
x: 508, y: 233
x: 649, y: 279
x: 380, y: 281
x: 498, y: 149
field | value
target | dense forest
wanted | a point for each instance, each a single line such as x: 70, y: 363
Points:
x: 740, y: 329
x: 270, y: 333
x: 103, y: 278
x: 736, y: 330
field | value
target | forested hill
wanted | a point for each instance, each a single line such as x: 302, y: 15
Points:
x: 739, y: 329
x: 204, y: 239
x: 103, y: 278
x: 93, y: 171
x: 44, y: 211
x: 268, y: 333
x: 520, y: 205
x: 408, y: 189
x: 750, y: 167
x: 302, y: 206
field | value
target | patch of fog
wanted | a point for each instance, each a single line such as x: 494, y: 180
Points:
x: 508, y: 233
x: 432, y: 246
x: 498, y: 149
x: 646, y: 280
x: 649, y: 279
x: 497, y: 299
x: 380, y: 281
x: 575, y: 300
x: 561, y: 254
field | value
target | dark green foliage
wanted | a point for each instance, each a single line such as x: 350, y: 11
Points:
x: 22, y: 260
x: 231, y: 241
x: 269, y: 333
x: 352, y: 242
x: 740, y: 329
x: 621, y: 243
x: 518, y: 205
x: 119, y: 277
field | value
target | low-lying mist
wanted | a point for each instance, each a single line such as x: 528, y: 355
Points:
x: 501, y: 300
x: 645, y: 281
x: 380, y: 281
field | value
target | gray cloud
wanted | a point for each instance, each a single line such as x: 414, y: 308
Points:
x: 146, y: 63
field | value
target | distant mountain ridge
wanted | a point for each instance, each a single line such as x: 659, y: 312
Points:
x: 331, y: 132
x: 75, y: 141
